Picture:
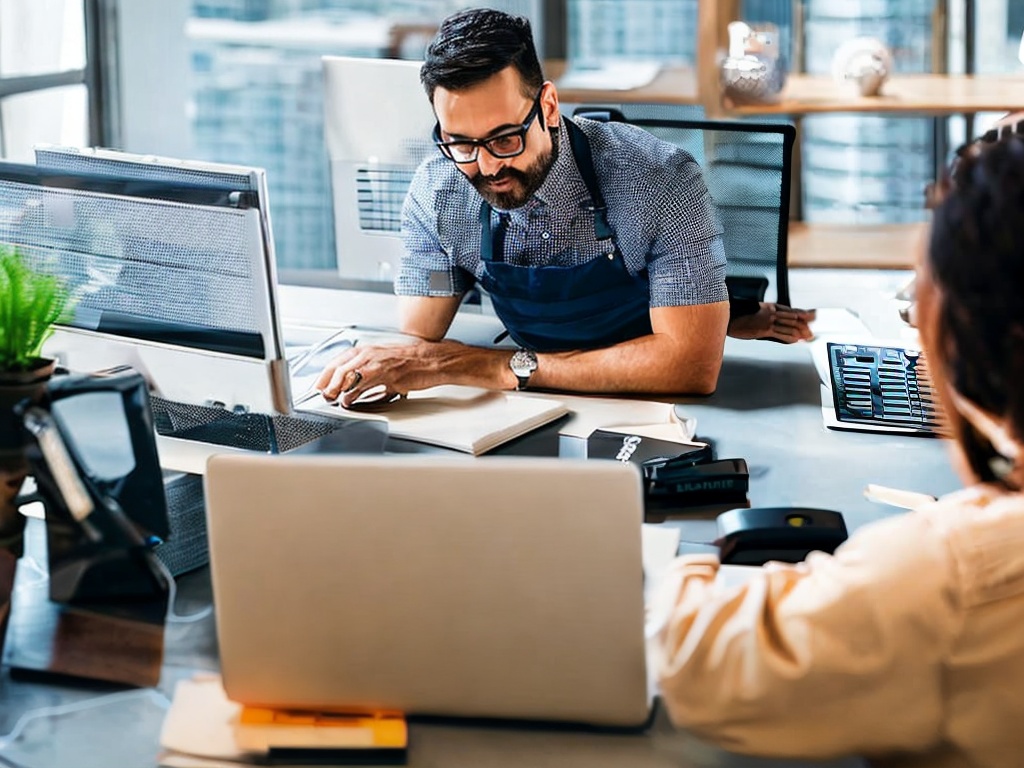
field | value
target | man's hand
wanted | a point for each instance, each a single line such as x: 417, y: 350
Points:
x: 382, y: 373
x: 774, y: 321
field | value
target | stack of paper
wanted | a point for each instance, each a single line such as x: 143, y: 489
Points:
x: 204, y: 729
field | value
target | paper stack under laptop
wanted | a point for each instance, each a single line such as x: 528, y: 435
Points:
x: 204, y: 729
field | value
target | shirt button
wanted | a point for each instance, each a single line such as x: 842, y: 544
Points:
x: 546, y: 235
x: 610, y: 255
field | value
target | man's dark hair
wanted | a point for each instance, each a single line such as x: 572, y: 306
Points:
x: 475, y: 44
x: 976, y: 260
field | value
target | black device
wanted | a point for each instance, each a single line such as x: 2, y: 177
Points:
x: 882, y: 386
x: 93, y: 454
x: 755, y: 535
x: 690, y: 481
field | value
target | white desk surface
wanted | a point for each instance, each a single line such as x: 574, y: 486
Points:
x: 766, y: 409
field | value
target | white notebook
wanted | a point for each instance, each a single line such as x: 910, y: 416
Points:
x: 465, y: 419
x: 468, y: 419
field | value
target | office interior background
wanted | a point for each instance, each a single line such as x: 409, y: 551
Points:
x: 240, y: 81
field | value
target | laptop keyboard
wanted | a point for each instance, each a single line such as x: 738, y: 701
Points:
x: 250, y: 431
x: 883, y: 386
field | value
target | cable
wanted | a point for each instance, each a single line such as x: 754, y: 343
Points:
x: 172, y: 591
x: 8, y: 739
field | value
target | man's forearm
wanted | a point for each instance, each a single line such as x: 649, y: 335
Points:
x: 682, y: 355
x: 653, y: 364
x: 648, y: 364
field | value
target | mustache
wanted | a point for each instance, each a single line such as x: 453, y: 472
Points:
x: 504, y: 173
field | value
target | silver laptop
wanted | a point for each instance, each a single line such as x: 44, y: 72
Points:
x: 499, y: 587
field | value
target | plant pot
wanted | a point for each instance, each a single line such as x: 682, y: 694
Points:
x: 17, y: 387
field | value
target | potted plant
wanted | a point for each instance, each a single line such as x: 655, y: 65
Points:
x: 30, y: 303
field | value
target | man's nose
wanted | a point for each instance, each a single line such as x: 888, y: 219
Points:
x: 489, y: 164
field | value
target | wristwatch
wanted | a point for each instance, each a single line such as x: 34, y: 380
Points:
x: 523, y: 364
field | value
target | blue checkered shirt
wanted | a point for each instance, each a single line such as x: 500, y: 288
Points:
x: 658, y: 206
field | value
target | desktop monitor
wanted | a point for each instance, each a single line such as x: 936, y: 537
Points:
x: 182, y: 290
x: 169, y: 277
x: 375, y: 145
x: 172, y: 266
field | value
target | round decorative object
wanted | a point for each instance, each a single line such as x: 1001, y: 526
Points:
x: 863, y: 61
x: 754, y: 72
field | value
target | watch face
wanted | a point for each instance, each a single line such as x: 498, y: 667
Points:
x: 523, y: 362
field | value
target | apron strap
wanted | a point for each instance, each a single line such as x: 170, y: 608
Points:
x: 492, y: 241
x: 584, y: 158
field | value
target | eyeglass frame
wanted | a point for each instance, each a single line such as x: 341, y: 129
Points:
x: 520, y: 130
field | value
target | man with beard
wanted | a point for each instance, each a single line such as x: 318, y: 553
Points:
x: 597, y: 242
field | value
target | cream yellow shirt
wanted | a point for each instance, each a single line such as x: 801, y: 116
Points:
x: 907, y: 646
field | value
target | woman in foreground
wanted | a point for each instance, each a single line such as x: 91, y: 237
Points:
x: 907, y: 646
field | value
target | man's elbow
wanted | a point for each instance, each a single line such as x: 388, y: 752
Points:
x: 697, y: 378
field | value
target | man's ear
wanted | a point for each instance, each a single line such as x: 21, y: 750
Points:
x: 549, y: 104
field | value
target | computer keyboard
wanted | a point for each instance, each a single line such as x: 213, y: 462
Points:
x: 883, y: 386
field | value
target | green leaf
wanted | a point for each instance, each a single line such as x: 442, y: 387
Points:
x: 31, y: 302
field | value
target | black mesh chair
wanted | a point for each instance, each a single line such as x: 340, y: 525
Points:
x: 747, y: 169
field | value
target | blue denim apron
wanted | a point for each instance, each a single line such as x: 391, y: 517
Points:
x: 549, y: 309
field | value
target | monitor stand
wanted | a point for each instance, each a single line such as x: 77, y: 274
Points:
x: 116, y: 641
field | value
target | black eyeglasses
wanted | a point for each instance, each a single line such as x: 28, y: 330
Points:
x: 506, y: 144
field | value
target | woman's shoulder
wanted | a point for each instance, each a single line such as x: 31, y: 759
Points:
x: 983, y: 527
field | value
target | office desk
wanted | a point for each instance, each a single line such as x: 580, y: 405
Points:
x: 766, y: 409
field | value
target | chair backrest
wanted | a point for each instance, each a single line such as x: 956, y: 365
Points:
x: 747, y: 169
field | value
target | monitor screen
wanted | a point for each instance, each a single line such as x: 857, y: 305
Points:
x: 171, y: 266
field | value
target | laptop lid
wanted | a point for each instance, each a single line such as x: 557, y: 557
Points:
x: 503, y: 587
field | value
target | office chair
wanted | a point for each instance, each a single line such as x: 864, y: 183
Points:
x: 747, y: 168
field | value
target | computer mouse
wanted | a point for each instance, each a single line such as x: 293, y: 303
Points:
x: 753, y: 536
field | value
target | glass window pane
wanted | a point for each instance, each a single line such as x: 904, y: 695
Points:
x: 257, y: 95
x: 997, y: 36
x: 52, y: 116
x: 40, y: 36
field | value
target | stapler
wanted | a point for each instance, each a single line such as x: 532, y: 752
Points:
x: 753, y: 536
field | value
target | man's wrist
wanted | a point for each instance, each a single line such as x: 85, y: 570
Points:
x: 523, y: 363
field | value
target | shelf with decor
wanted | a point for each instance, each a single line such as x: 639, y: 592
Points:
x: 909, y: 94
x: 933, y: 95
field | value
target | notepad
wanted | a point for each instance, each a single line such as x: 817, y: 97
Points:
x: 467, y: 419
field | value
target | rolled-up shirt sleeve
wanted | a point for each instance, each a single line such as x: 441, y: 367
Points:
x: 837, y: 655
x: 686, y: 265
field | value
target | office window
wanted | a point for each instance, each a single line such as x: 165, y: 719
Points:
x: 244, y: 85
x: 43, y: 96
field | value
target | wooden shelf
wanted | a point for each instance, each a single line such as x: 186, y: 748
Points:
x: 867, y: 246
x: 672, y: 85
x: 905, y: 94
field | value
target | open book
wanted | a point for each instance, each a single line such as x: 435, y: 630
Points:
x: 467, y: 419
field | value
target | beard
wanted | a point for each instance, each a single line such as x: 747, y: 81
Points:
x: 525, y: 182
